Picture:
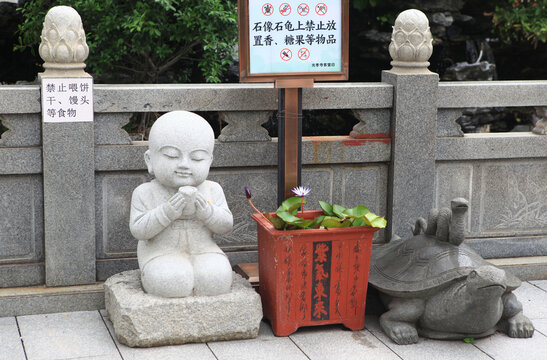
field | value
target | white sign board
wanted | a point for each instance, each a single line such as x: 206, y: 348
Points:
x: 295, y: 36
x: 67, y: 99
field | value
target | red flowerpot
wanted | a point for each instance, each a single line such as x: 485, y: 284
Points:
x: 313, y: 277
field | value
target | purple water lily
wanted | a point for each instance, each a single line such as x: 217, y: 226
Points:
x: 301, y: 191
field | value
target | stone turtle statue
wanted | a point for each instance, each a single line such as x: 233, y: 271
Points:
x: 435, y: 286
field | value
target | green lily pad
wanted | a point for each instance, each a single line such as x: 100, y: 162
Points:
x: 318, y: 220
x: 292, y: 204
x: 334, y: 222
x: 277, y: 222
x: 327, y: 208
x: 375, y: 221
x: 357, y: 211
x: 359, y: 222
x: 338, y: 210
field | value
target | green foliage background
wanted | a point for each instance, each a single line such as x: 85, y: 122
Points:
x: 134, y: 41
x: 517, y: 20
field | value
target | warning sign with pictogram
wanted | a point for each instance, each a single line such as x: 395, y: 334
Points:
x: 286, y: 54
x: 303, y: 54
x: 285, y: 38
x: 285, y: 9
x: 267, y: 9
x: 321, y: 9
x: 303, y: 9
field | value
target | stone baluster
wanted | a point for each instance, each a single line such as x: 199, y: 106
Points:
x: 411, y: 181
x: 68, y: 154
x: 244, y: 126
x: 541, y: 125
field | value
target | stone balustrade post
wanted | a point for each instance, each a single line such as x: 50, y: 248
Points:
x: 414, y: 123
x: 68, y: 151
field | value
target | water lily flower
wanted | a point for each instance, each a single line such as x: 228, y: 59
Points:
x: 301, y: 191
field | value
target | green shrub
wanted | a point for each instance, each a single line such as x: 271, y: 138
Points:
x: 148, y: 41
x: 516, y: 20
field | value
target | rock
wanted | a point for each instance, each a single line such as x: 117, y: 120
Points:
x: 438, y: 31
x: 465, y: 71
x: 462, y: 18
x: 376, y: 36
x: 144, y: 320
x: 443, y: 19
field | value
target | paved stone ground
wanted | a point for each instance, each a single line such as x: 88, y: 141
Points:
x: 89, y: 335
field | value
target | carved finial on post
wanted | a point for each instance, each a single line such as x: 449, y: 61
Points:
x: 410, y: 46
x: 63, y: 47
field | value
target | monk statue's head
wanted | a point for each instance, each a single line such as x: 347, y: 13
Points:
x: 180, y: 150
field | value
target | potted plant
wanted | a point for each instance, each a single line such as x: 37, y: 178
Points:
x: 313, y: 265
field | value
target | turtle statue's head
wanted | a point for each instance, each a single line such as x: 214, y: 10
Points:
x: 487, y: 280
x: 459, y: 205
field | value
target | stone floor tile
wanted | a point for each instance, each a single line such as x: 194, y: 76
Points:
x: 427, y: 349
x: 265, y: 347
x: 540, y: 284
x: 501, y: 347
x: 371, y: 323
x: 11, y: 346
x: 533, y: 299
x: 336, y: 342
x: 540, y: 325
x: 175, y: 352
x: 67, y: 336
x: 102, y: 357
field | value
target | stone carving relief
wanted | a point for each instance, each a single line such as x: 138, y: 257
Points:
x: 524, y: 208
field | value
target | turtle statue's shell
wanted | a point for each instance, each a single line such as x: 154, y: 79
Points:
x: 423, y: 265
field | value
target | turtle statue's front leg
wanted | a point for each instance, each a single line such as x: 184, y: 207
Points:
x: 399, y: 322
x: 513, y: 322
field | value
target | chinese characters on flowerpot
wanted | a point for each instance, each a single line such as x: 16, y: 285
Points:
x: 314, y: 265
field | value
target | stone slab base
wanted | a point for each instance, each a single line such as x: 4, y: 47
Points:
x: 33, y: 300
x: 144, y: 320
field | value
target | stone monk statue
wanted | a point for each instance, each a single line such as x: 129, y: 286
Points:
x: 175, y: 215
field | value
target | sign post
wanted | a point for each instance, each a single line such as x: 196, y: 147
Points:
x: 292, y: 43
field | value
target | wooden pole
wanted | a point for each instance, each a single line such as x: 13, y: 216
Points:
x: 289, y: 174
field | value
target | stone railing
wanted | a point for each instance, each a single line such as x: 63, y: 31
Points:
x: 65, y: 188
